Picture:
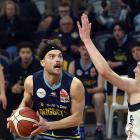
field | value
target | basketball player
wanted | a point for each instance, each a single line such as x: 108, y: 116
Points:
x: 4, y: 132
x: 131, y: 86
x: 55, y: 95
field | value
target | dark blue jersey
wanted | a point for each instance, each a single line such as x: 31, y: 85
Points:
x: 53, y: 103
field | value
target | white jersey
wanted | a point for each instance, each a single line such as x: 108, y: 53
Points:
x: 133, y: 122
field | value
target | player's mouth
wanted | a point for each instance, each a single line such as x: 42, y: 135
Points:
x: 58, y: 66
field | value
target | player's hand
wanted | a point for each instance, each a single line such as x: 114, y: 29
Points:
x: 41, y: 126
x: 8, y: 119
x: 3, y: 101
x: 85, y: 28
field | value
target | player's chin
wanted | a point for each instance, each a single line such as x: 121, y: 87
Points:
x: 57, y: 70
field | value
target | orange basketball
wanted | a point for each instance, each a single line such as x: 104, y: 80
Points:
x: 22, y: 121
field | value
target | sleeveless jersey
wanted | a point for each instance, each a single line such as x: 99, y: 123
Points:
x: 133, y: 122
x: 53, y: 104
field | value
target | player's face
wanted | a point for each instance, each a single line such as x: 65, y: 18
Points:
x: 25, y: 55
x: 53, y: 62
x: 137, y: 71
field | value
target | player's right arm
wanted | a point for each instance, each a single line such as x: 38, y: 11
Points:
x: 100, y: 63
x: 28, y: 91
x: 26, y: 101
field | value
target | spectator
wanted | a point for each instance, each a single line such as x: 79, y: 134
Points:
x: 117, y: 50
x: 29, y: 13
x: 51, y: 6
x: 23, y: 66
x: 12, y: 29
x: 104, y: 18
x: 84, y: 70
x: 135, y: 52
x: 136, y: 23
x: 113, y: 11
x: 52, y: 21
x: 68, y: 36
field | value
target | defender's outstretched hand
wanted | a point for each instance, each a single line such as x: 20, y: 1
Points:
x: 85, y: 28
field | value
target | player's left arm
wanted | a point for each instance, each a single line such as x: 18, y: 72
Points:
x: 77, y: 107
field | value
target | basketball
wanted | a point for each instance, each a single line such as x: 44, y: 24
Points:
x: 22, y: 121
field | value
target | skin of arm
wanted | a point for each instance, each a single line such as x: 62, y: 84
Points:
x: 100, y: 63
x: 3, y: 99
x: 77, y: 107
x: 28, y: 89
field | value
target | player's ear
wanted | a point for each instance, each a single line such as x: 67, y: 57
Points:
x: 42, y: 62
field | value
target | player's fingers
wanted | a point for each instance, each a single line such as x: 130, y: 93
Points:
x: 8, y: 119
x: 7, y: 125
x: 35, y: 132
x: 82, y: 20
x: 35, y: 125
x: 78, y: 24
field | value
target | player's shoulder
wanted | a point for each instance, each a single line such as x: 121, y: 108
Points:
x: 29, y: 79
x: 77, y: 82
x: 77, y: 87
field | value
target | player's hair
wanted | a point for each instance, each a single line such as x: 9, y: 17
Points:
x: 47, y: 45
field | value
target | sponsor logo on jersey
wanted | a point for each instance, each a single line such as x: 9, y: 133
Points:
x: 53, y: 94
x: 41, y: 93
x: 64, y: 96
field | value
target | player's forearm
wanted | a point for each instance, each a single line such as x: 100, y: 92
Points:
x: 68, y: 122
x: 25, y: 103
x: 22, y: 104
x: 98, y: 60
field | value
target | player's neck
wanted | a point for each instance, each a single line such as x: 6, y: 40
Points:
x: 52, y: 80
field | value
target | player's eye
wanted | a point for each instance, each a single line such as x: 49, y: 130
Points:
x: 60, y: 56
x: 51, y: 56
